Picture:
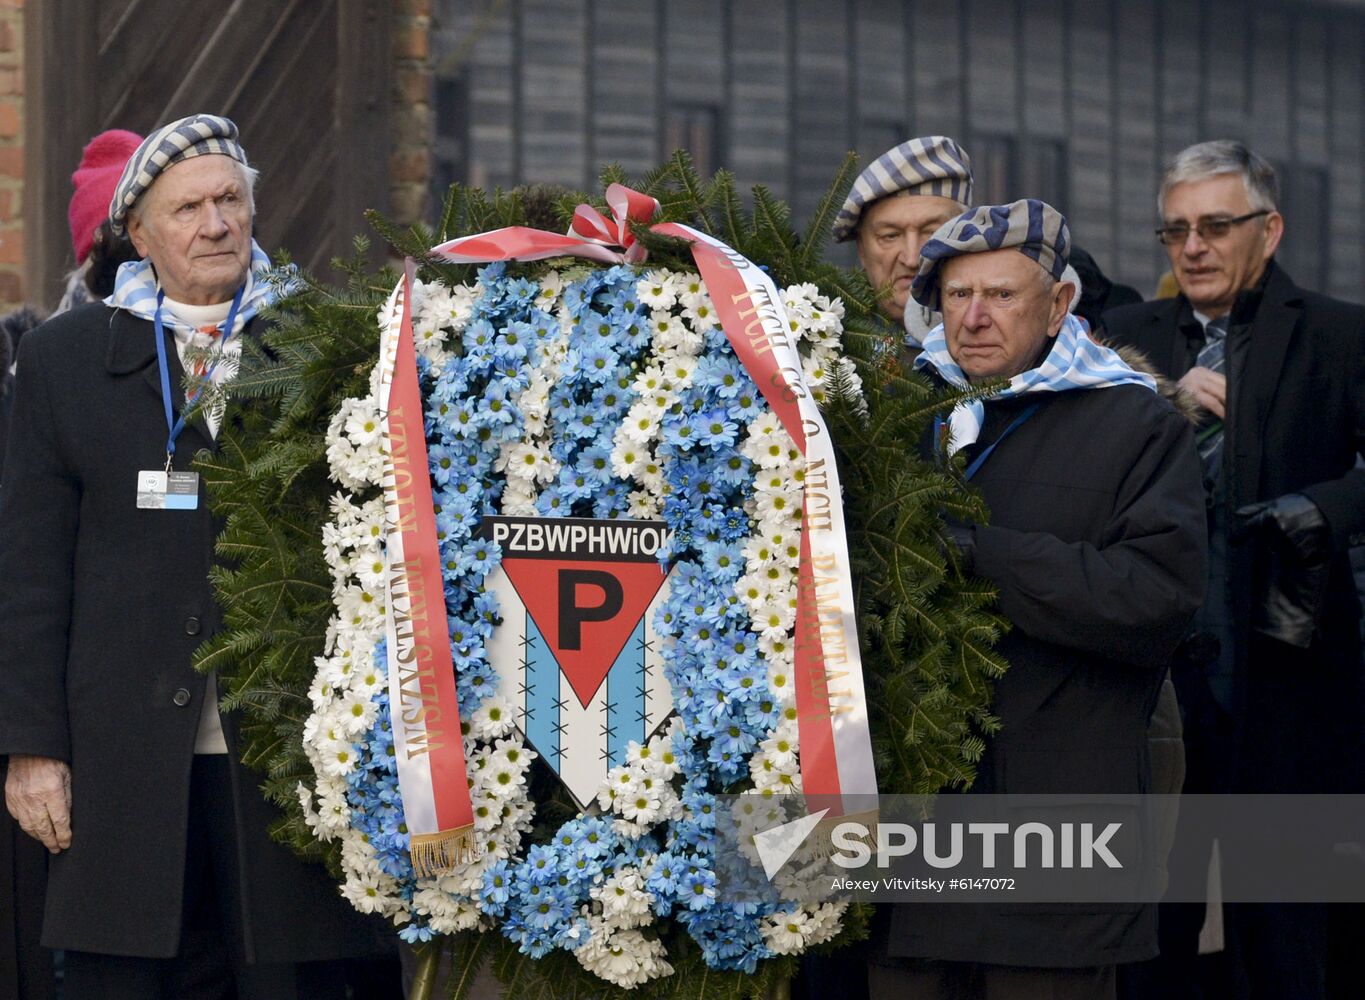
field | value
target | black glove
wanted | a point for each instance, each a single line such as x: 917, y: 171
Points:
x: 1300, y: 547
x: 1297, y: 519
x: 964, y: 538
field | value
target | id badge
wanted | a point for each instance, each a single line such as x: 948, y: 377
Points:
x: 158, y: 490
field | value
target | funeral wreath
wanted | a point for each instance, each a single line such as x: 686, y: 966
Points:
x: 533, y: 550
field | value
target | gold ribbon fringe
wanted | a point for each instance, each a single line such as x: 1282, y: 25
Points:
x: 437, y: 854
x: 819, y: 846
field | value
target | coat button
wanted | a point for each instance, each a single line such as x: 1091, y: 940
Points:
x: 192, y: 626
x: 181, y: 697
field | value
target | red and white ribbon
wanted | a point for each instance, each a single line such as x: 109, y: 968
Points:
x: 831, y: 700
x: 427, y: 741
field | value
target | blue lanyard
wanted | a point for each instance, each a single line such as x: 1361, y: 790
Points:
x: 174, y: 426
x: 980, y: 459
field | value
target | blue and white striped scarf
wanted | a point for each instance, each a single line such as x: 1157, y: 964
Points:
x: 135, y: 289
x: 1075, y: 362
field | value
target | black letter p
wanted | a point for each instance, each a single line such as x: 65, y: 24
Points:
x: 572, y: 615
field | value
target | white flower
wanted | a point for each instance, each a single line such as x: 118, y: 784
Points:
x: 780, y: 681
x: 494, y: 718
x: 786, y: 933
x: 504, y: 777
x: 333, y: 812
x: 370, y: 891
x: 531, y: 463
x: 628, y: 456
x: 551, y: 285
x: 624, y: 957
x: 826, y: 919
x: 624, y: 899
x: 621, y: 782
x: 642, y: 807
x: 447, y: 914
x: 780, y: 747
x: 701, y: 315
x: 338, y: 757
x: 356, y: 714
x: 691, y: 291
x: 658, y: 290
x: 665, y: 328
x: 649, y: 381
x: 362, y: 425
x: 640, y: 426
x: 679, y: 370
x: 642, y: 505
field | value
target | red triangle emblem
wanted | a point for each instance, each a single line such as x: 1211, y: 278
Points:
x: 585, y: 609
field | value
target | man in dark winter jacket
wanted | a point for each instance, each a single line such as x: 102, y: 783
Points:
x: 1270, y: 678
x: 1096, y: 547
x: 162, y: 880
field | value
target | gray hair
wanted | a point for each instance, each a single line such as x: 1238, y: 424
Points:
x: 1224, y: 156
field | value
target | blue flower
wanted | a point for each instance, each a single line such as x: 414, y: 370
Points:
x: 415, y: 932
x: 746, y: 406
x: 697, y: 888
x: 497, y: 887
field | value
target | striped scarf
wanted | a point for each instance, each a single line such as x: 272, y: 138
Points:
x: 135, y: 288
x: 1075, y: 362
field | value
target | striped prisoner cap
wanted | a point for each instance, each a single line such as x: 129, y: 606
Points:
x: 932, y: 165
x: 1034, y: 228
x: 196, y: 135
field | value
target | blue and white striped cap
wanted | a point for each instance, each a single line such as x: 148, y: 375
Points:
x: 1032, y: 227
x: 930, y: 165
x: 196, y: 135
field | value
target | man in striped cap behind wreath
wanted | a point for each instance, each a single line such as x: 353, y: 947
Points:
x: 894, y: 206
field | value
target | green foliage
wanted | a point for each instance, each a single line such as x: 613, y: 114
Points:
x: 268, y: 482
x: 926, y: 632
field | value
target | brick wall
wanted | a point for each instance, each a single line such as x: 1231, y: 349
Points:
x: 11, y: 153
x: 410, y: 160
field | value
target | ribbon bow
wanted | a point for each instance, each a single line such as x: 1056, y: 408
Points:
x: 591, y: 235
x: 626, y: 206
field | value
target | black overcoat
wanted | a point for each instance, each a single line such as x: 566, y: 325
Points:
x: 1298, y: 426
x: 1097, y: 546
x: 101, y: 607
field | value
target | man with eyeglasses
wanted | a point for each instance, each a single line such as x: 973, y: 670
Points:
x: 1269, y: 678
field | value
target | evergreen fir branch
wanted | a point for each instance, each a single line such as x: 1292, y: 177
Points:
x: 772, y: 223
x: 821, y: 225
x: 732, y: 212
x: 691, y: 185
x: 613, y: 173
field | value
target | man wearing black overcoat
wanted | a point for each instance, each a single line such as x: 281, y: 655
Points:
x: 1270, y: 677
x: 163, y: 880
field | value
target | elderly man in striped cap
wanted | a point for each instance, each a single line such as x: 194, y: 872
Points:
x: 1096, y: 548
x: 163, y: 880
x: 893, y: 208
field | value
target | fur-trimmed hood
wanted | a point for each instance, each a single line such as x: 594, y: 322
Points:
x: 1178, y: 397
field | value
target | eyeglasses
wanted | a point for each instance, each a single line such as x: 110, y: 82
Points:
x: 1208, y: 229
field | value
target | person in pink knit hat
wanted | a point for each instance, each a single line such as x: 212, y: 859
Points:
x: 98, y: 251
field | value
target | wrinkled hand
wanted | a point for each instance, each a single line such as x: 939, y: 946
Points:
x: 1209, y: 389
x: 38, y: 796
